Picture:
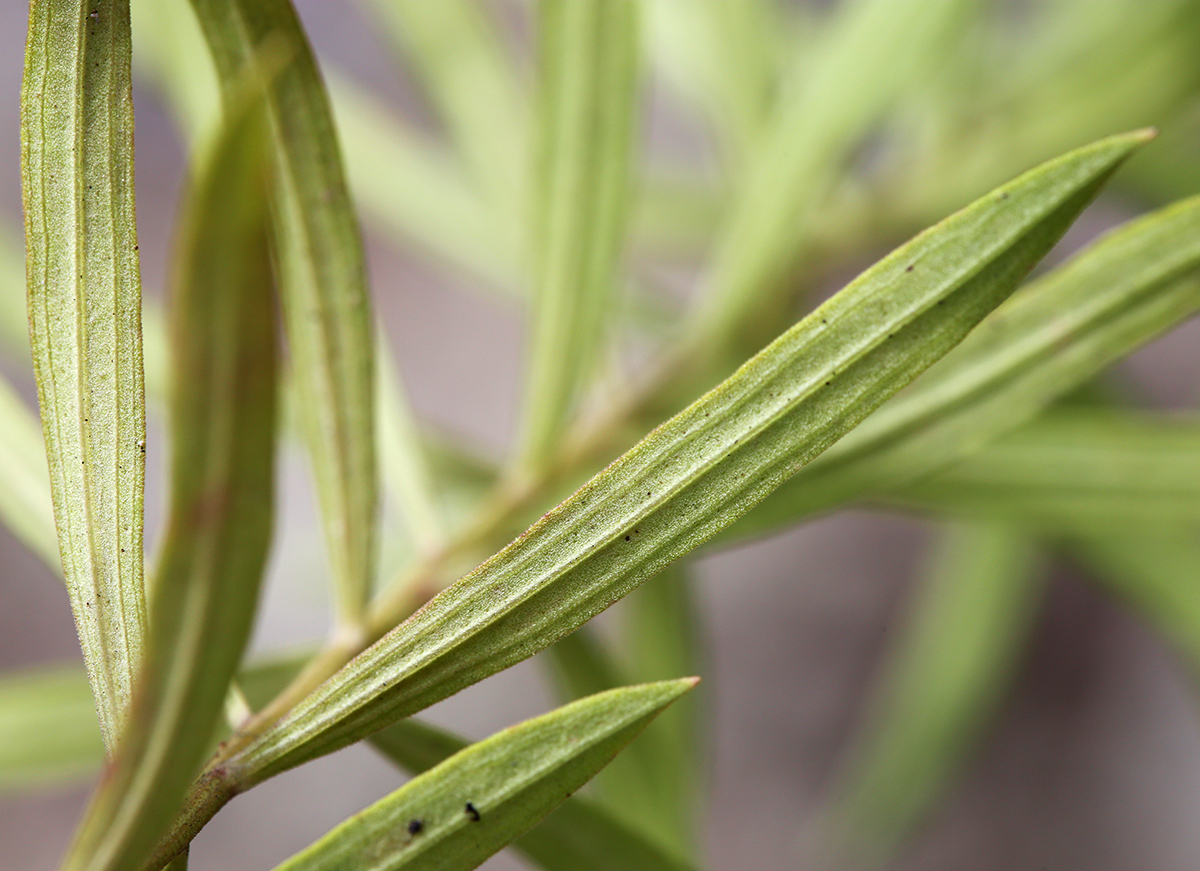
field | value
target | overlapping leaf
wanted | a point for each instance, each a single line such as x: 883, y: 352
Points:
x: 579, y: 836
x: 476, y: 802
x: 698, y: 472
x: 1078, y: 470
x: 321, y: 279
x: 222, y: 414
x: 1124, y: 290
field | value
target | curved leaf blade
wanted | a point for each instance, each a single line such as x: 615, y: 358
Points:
x: 476, y: 802
x: 222, y: 414
x: 322, y: 282
x: 699, y: 471
x: 579, y: 836
x: 84, y: 298
x: 1052, y: 336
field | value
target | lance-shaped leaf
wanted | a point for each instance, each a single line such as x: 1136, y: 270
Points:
x: 457, y: 54
x: 1051, y: 337
x: 84, y: 296
x: 1077, y: 469
x: 222, y: 416
x: 579, y: 836
x: 943, y: 678
x: 693, y: 475
x: 25, y: 505
x: 587, y: 76
x: 476, y: 802
x: 322, y: 281
x: 633, y: 788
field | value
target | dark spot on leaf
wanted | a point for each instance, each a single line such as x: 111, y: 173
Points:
x: 415, y: 826
x: 472, y: 812
x: 908, y: 268
x: 627, y: 538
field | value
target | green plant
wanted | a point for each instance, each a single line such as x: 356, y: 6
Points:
x: 1012, y: 432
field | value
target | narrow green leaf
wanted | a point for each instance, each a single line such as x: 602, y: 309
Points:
x: 84, y: 297
x: 661, y: 639
x: 457, y: 54
x: 475, y: 803
x: 588, y: 53
x: 322, y: 283
x: 25, y: 505
x: 1077, y: 470
x: 696, y: 473
x: 943, y: 679
x: 579, y: 836
x: 222, y: 416
x: 1051, y: 337
x: 868, y: 53
x: 633, y: 787
x: 1155, y: 573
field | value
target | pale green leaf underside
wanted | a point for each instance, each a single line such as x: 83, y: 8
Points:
x: 222, y: 416
x: 1049, y: 338
x: 698, y: 472
x: 476, y: 802
x: 322, y: 282
x: 943, y: 676
x: 84, y: 297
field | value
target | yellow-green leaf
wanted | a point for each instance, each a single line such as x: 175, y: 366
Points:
x: 476, y: 802
x: 84, y: 297
x: 579, y: 836
x: 1053, y: 335
x: 222, y: 415
x: 322, y: 282
x: 696, y: 473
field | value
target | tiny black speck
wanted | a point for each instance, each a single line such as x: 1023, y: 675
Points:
x: 627, y: 538
x: 415, y: 826
x: 908, y: 268
x: 472, y: 812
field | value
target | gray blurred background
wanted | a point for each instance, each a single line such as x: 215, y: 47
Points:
x: 1094, y: 762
